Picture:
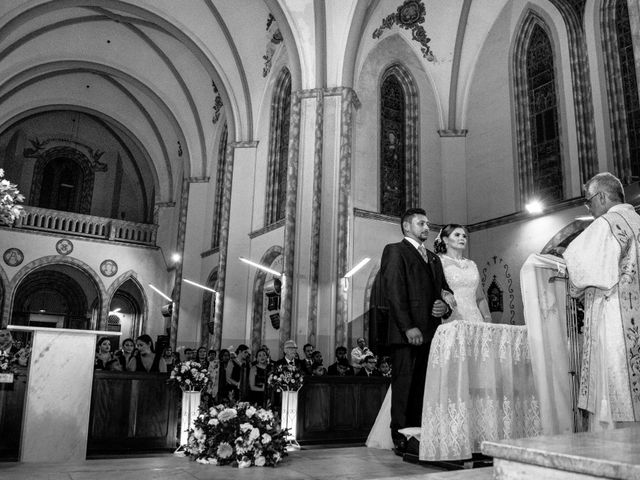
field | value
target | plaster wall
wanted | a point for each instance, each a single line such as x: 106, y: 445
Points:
x: 490, y: 142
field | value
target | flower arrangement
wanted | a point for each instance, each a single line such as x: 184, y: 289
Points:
x: 7, y: 364
x: 240, y: 435
x: 285, y: 378
x: 190, y: 376
x: 9, y: 198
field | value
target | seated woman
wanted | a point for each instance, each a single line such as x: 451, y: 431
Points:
x: 126, y: 355
x: 105, y: 360
x: 147, y: 360
x: 479, y: 383
x: 168, y: 357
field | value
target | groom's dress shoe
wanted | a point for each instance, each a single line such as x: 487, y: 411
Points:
x: 400, y: 446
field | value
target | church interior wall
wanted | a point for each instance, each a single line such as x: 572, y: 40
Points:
x: 490, y: 152
x: 503, y: 249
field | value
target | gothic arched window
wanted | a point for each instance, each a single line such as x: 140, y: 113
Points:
x: 220, y: 188
x: 622, y: 89
x: 278, y: 149
x: 629, y: 86
x: 539, y: 142
x: 399, y: 177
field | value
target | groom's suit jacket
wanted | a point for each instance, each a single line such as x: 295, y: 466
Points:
x: 410, y: 286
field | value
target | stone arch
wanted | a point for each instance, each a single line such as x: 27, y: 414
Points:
x: 557, y: 244
x: 52, y: 260
x: 258, y: 297
x: 118, y: 282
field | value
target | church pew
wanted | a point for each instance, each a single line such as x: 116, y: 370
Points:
x: 338, y: 409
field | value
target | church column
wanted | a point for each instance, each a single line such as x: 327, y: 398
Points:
x: 291, y: 279
x: 317, y: 241
x: 453, y: 144
x: 234, y: 296
x: 175, y: 294
x: 189, y: 300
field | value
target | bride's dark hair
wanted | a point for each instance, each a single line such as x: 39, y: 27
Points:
x: 438, y: 245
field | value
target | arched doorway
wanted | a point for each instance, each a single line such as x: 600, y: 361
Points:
x: 127, y: 311
x: 58, y: 296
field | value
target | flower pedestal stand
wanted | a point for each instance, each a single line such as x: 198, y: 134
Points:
x: 289, y: 417
x: 190, y: 404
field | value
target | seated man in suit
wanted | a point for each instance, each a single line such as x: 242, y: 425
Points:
x: 341, y: 358
x: 290, y: 356
x: 369, y: 367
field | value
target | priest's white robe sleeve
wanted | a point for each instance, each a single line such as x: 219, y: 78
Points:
x: 592, y: 258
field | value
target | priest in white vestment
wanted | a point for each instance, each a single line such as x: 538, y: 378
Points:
x: 603, y: 265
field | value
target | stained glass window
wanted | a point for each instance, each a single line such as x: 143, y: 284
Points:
x: 546, y: 161
x: 629, y: 85
x: 279, y: 150
x: 392, y: 147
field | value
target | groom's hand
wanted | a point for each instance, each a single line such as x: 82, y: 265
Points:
x: 439, y: 308
x: 414, y: 335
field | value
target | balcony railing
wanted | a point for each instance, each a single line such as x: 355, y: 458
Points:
x: 69, y: 223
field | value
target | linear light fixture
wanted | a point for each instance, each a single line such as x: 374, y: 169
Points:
x: 191, y: 282
x: 360, y: 264
x: 261, y: 267
x: 160, y: 293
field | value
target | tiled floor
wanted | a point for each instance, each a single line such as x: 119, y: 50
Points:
x: 352, y: 463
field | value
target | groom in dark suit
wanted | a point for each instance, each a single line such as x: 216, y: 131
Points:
x: 412, y: 282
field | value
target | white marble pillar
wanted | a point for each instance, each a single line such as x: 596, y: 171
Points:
x: 55, y: 423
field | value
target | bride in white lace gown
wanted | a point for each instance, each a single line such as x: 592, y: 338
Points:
x: 479, y: 384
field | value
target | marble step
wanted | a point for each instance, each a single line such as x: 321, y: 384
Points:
x: 609, y: 454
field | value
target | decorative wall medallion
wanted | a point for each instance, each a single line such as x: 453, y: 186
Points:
x: 13, y: 257
x: 108, y: 268
x: 410, y: 16
x: 64, y: 247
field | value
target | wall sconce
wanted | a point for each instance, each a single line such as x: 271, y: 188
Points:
x: 261, y: 267
x: 352, y: 272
